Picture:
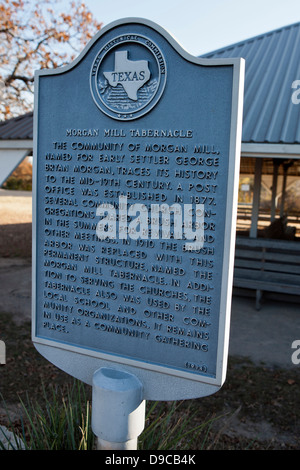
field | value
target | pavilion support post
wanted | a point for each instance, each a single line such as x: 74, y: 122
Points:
x: 274, y: 189
x: 256, y: 197
x: 285, y: 170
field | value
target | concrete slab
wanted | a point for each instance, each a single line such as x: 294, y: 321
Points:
x: 15, y: 288
x: 266, y: 335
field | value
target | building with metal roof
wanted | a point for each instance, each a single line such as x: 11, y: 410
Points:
x: 18, y: 128
x: 272, y: 63
x: 267, y: 256
x: 271, y: 116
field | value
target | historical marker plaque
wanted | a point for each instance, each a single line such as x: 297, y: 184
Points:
x: 136, y: 165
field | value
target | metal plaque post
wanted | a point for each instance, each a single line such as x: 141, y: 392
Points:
x: 124, y: 302
x: 118, y: 410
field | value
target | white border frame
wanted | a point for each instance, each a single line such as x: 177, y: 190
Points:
x: 191, y: 381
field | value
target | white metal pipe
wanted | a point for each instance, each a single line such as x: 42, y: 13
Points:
x: 118, y: 409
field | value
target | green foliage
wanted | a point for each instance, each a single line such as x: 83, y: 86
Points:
x: 14, y: 183
x: 61, y: 422
x: 170, y: 426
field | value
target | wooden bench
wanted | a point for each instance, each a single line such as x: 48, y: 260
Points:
x: 267, y: 265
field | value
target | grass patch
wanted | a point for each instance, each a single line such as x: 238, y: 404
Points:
x: 63, y: 422
x: 253, y: 400
x: 60, y: 422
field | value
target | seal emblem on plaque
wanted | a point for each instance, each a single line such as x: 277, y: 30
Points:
x: 128, y: 77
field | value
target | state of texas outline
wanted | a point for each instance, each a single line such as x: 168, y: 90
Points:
x: 131, y: 74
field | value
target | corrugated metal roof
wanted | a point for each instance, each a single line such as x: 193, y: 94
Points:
x: 272, y: 64
x: 18, y: 128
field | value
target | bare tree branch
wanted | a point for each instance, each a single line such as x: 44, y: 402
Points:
x: 33, y: 35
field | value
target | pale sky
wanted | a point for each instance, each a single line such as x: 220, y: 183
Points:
x: 203, y: 25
